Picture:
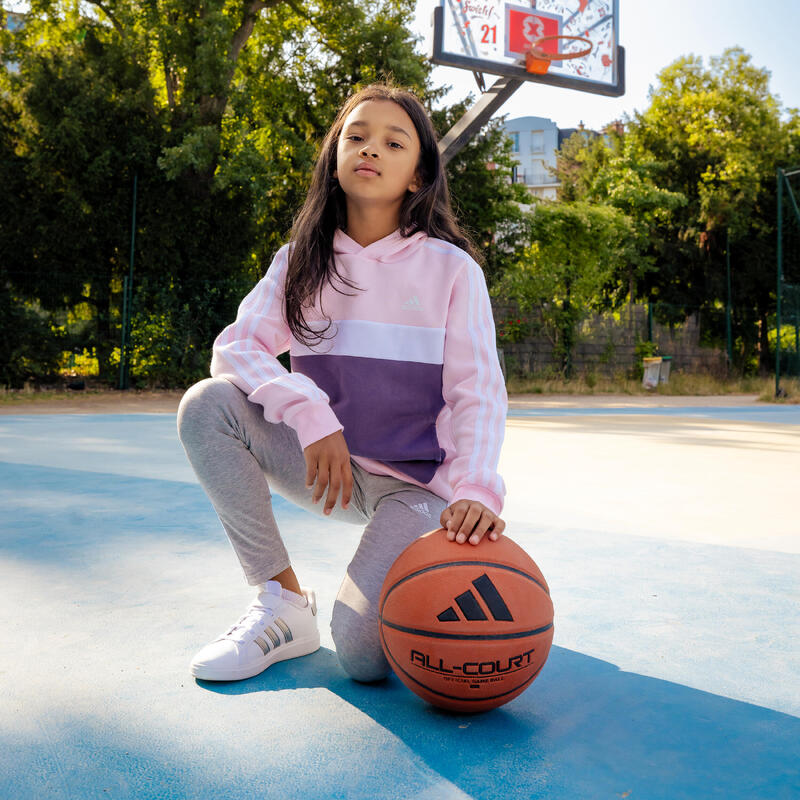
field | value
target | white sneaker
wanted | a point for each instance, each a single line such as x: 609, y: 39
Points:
x: 276, y: 626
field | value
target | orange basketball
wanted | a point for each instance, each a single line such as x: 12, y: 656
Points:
x: 466, y: 627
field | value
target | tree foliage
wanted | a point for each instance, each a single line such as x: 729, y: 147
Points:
x: 695, y: 170
x: 218, y: 111
x: 487, y: 203
x: 570, y: 268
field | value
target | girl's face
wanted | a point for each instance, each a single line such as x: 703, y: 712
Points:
x: 377, y: 154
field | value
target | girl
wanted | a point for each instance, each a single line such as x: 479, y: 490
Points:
x: 395, y: 407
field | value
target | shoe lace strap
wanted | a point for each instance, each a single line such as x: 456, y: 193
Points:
x: 255, y: 617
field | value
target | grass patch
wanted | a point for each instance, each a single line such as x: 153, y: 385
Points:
x: 10, y: 397
x: 59, y: 393
x: 679, y: 384
x: 790, y: 388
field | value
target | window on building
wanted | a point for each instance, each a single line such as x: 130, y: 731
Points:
x: 537, y: 141
x: 515, y: 145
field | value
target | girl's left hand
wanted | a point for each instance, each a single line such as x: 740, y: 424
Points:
x: 471, y: 520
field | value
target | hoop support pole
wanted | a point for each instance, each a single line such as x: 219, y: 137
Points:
x: 477, y: 116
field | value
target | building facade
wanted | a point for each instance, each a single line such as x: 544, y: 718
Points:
x: 13, y: 21
x: 535, y: 142
x: 534, y: 145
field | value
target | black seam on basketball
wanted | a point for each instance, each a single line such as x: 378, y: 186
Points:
x: 464, y: 564
x: 465, y: 636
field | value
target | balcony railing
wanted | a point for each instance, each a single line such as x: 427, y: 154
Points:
x: 535, y: 178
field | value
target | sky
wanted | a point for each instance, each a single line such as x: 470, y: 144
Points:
x: 653, y: 34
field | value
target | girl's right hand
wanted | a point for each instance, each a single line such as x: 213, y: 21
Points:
x: 328, y: 463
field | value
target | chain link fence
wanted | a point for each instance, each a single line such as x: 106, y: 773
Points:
x: 787, y: 329
x: 173, y: 323
x: 80, y: 330
x: 611, y: 345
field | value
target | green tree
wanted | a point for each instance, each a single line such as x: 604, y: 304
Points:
x: 696, y: 166
x: 568, y: 268
x: 578, y: 160
x: 89, y: 120
x: 714, y: 136
x: 219, y: 110
x: 487, y: 203
x: 606, y: 169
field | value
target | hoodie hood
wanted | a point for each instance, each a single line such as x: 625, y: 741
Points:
x: 394, y: 247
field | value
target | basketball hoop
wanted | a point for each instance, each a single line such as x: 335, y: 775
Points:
x: 538, y: 61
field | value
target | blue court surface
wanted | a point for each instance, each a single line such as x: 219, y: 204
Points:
x: 671, y: 543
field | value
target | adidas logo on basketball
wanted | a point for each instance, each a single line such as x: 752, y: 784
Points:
x: 471, y: 608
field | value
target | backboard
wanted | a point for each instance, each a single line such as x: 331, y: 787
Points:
x: 492, y: 36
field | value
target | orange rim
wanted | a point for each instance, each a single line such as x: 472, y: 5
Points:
x: 538, y: 61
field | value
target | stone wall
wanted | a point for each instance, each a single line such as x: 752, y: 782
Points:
x: 607, y: 345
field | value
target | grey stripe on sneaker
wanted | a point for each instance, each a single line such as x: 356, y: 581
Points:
x: 287, y: 634
x: 265, y: 648
x: 273, y: 636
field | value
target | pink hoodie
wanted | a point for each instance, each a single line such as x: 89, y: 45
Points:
x: 411, y: 375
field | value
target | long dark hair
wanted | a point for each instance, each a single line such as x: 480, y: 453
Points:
x: 311, y: 262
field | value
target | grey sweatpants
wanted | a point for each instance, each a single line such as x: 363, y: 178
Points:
x: 239, y: 458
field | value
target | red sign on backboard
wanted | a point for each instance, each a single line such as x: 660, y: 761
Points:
x: 525, y: 25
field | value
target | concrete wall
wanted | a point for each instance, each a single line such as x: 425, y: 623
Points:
x: 606, y: 346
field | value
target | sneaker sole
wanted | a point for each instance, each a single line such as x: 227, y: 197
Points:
x: 294, y: 649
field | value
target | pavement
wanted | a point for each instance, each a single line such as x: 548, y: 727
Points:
x: 668, y: 535
x: 166, y: 401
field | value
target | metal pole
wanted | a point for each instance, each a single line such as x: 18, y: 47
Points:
x: 790, y: 195
x: 649, y: 321
x: 122, y: 346
x: 728, y: 303
x: 796, y: 342
x: 477, y: 116
x: 780, y: 281
x: 125, y: 359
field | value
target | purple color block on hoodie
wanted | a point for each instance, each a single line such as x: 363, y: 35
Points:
x: 388, y: 410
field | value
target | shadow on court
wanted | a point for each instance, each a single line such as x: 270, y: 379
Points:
x: 585, y: 729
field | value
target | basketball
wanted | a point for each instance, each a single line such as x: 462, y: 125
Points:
x: 465, y: 627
